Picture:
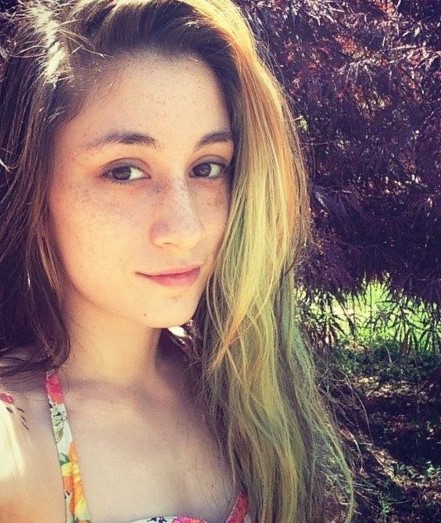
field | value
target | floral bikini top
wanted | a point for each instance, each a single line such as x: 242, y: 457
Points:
x: 76, y: 505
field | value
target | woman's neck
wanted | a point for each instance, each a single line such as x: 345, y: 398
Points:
x: 112, y: 350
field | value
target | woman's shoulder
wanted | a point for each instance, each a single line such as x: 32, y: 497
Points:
x: 20, y: 401
x: 21, y: 397
x: 12, y: 434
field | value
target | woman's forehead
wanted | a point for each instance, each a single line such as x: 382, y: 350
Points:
x: 150, y: 98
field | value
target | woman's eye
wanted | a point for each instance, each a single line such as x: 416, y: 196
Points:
x: 209, y: 170
x: 124, y: 173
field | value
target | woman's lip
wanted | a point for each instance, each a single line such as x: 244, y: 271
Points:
x: 175, y: 271
x: 184, y: 278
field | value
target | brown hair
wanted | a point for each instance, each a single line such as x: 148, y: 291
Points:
x: 54, y: 52
x: 256, y: 377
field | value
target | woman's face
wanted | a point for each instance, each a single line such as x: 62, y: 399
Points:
x: 139, y: 195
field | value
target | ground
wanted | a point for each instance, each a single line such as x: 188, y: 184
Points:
x: 390, y: 412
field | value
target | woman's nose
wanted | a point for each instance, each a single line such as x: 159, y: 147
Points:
x: 177, y: 221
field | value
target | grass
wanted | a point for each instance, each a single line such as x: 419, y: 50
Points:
x: 383, y: 369
x: 377, y: 318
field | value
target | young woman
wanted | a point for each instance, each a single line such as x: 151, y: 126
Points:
x: 150, y: 177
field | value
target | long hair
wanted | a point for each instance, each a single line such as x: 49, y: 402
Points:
x: 255, y: 376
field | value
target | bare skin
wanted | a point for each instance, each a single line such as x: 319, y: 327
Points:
x: 140, y: 455
x: 143, y: 446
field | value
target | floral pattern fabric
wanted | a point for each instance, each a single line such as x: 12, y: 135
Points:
x: 75, y: 501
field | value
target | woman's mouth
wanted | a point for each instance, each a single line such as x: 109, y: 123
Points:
x: 178, y: 277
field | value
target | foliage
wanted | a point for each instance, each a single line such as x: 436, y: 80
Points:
x: 375, y: 317
x: 364, y: 76
x: 6, y: 4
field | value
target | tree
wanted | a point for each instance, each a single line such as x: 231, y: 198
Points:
x: 364, y: 79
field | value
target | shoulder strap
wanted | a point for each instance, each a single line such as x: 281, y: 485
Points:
x: 76, y: 505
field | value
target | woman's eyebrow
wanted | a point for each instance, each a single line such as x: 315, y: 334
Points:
x: 135, y: 138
